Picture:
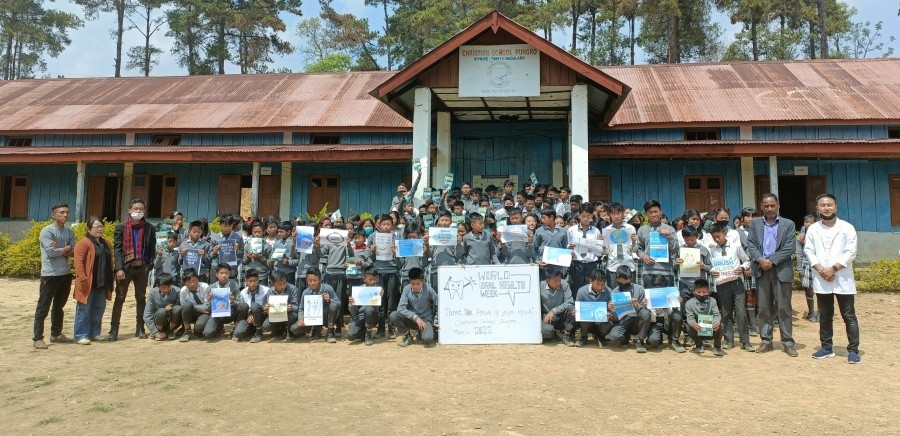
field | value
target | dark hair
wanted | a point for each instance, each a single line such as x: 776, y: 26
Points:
x: 586, y: 207
x: 222, y: 266
x: 314, y: 272
x: 548, y: 212
x: 719, y: 228
x: 690, y: 213
x: 90, y: 221
x: 475, y: 216
x: 826, y: 195
x: 769, y: 195
x: 252, y: 272
x: 598, y: 274
x: 514, y: 211
x: 370, y: 271
x: 164, y: 279
x: 195, y: 223
x: 136, y: 201
x: 576, y: 198
x: 277, y: 276
x: 623, y: 271
x: 718, y: 210
x: 689, y: 231
x: 188, y: 274
x: 415, y: 274
x: 650, y: 204
x: 616, y: 207
x: 554, y: 272
x: 58, y: 205
x: 286, y: 226
x: 747, y: 211
x: 701, y: 283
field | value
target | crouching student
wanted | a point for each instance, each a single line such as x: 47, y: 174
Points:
x: 669, y: 322
x: 251, y: 312
x: 556, y: 307
x: 162, y: 315
x: 417, y: 309
x: 631, y: 324
x: 280, y: 286
x: 216, y: 326
x: 331, y: 308
x: 363, y: 318
x: 195, y: 309
x: 595, y: 292
x: 703, y: 304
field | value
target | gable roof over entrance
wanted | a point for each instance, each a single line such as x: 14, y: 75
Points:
x: 559, y: 71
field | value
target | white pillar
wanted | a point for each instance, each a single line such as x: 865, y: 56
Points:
x: 773, y: 175
x: 127, y: 180
x: 442, y: 160
x: 254, y: 189
x: 129, y: 138
x: 422, y: 134
x: 284, y: 204
x: 579, y: 170
x: 79, y: 192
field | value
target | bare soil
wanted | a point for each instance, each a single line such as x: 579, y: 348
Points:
x: 144, y: 387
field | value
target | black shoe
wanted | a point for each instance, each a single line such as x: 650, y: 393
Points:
x: 813, y: 317
x: 256, y: 337
x: 140, y: 334
x: 113, y: 336
x: 790, y: 350
x: 407, y: 339
x: 391, y: 333
x: 186, y: 336
x: 170, y: 335
x: 330, y: 338
x: 581, y: 342
x: 288, y: 337
x: 764, y: 347
x: 640, y: 347
x: 368, y: 338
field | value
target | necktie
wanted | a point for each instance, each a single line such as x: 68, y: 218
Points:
x: 196, y: 297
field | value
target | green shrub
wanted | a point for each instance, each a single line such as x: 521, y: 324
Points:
x: 23, y: 258
x: 883, y: 276
x: 214, y: 226
x: 5, y: 242
x: 364, y: 216
x: 318, y: 217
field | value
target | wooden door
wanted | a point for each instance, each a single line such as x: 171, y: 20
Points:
x: 323, y: 189
x: 761, y: 184
x: 815, y: 185
x: 169, y: 199
x: 600, y: 188
x: 140, y: 188
x: 269, y: 195
x: 95, y: 196
x: 18, y: 199
x: 703, y: 193
x: 229, y: 195
x: 894, y: 189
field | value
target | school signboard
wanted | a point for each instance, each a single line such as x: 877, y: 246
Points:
x: 511, y: 70
x: 490, y: 304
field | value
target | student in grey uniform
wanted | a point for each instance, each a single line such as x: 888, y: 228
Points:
x: 656, y: 274
x: 335, y: 257
x: 583, y: 262
x: 637, y: 324
x: 363, y: 318
x: 549, y: 235
x: 517, y: 252
x: 690, y: 235
x: 195, y: 311
x: 731, y: 296
x: 168, y: 260
x: 280, y: 286
x: 331, y: 308
x: 361, y: 261
x: 703, y: 304
x: 388, y: 273
x: 162, y: 315
x: 595, y: 291
x: 216, y: 326
x: 477, y: 247
x: 284, y: 252
x: 619, y: 253
x: 57, y: 246
x: 441, y: 255
x: 195, y: 241
x: 413, y: 231
x: 417, y: 310
x: 305, y: 261
x: 557, y: 306
x: 234, y: 239
x: 258, y: 261
x: 251, y: 312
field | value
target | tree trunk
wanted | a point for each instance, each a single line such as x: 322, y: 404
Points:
x: 387, y: 37
x: 823, y: 31
x: 812, y: 40
x: 7, y: 58
x: 575, y: 16
x: 754, y: 39
x: 220, y: 38
x: 592, y: 54
x: 613, y: 33
x: 147, y: 46
x: 120, y: 30
x: 673, y: 56
x: 631, y: 39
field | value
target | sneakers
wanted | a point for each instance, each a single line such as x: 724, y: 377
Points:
x: 391, y: 333
x: 315, y: 335
x: 728, y: 345
x: 40, y: 344
x: 813, y: 317
x: 235, y: 337
x: 368, y: 337
x: 288, y: 337
x: 698, y: 349
x: 112, y: 336
x: 581, y: 342
x: 823, y: 353
x: 853, y: 358
x: 567, y: 339
x: 748, y: 347
x: 186, y: 336
x: 640, y: 347
x: 97, y: 339
x: 330, y: 337
x: 256, y: 337
x: 61, y: 339
x: 407, y: 339
x: 599, y: 343
x: 84, y: 341
x: 718, y: 352
x: 170, y: 335
x: 677, y: 347
x: 753, y: 332
x: 764, y: 347
x: 790, y: 350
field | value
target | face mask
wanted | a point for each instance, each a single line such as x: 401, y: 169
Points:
x: 137, y: 215
x: 702, y: 299
x: 724, y: 223
x: 368, y: 230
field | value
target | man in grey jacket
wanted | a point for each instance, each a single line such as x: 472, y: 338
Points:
x: 770, y: 245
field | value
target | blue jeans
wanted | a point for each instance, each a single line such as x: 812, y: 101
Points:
x: 89, y: 316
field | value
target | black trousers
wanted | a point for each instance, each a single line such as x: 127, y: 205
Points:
x: 54, y: 292
x: 140, y: 276
x: 847, y: 306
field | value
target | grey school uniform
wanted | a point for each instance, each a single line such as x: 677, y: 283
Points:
x: 293, y: 300
x: 638, y: 324
x: 195, y: 308
x: 169, y: 262
x: 693, y: 308
x: 600, y: 329
x: 331, y: 309
x: 560, y: 302
x: 305, y: 261
x: 547, y: 237
x: 659, y: 274
x: 250, y: 302
x: 205, y: 259
x: 260, y: 264
x: 388, y: 272
x: 290, y: 253
x: 408, y: 263
x: 686, y: 284
x: 216, y: 326
x: 516, y: 252
x: 362, y: 259
x: 417, y: 305
x: 155, y: 313
x: 231, y: 238
x: 477, y: 249
x: 440, y: 255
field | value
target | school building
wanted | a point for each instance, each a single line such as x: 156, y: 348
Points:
x: 495, y: 102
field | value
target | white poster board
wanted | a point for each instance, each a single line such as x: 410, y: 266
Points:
x: 489, y: 304
x: 511, y: 70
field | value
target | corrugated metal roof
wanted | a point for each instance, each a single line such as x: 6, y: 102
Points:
x: 815, y: 148
x: 227, y: 102
x: 754, y: 92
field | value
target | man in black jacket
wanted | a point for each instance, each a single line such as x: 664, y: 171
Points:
x: 135, y: 250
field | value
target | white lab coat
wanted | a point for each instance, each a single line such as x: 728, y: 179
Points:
x: 842, y: 251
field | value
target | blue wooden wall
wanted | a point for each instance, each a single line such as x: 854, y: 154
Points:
x: 502, y: 148
x: 115, y: 140
x: 636, y: 181
x: 364, y: 187
x: 773, y: 133
x: 265, y: 138
x: 675, y: 134
x: 50, y: 184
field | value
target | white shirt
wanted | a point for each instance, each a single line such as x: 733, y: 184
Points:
x: 261, y: 293
x: 731, y: 238
x: 828, y: 246
x: 575, y: 233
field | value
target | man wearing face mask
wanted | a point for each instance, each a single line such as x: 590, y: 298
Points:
x: 135, y: 250
x: 403, y: 196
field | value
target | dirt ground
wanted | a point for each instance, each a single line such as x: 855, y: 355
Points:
x: 144, y: 387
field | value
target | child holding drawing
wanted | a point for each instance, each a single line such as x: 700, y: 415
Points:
x: 364, y: 317
x: 477, y: 246
x: 382, y: 245
x: 731, y: 261
x: 703, y: 306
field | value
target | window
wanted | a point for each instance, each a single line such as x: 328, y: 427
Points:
x: 14, y: 196
x: 163, y: 140
x: 894, y: 188
x: 701, y: 135
x: 18, y: 141
x: 325, y: 138
x: 703, y: 193
x: 894, y: 132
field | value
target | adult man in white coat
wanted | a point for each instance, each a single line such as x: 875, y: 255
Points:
x: 831, y: 248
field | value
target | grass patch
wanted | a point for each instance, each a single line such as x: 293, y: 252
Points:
x: 209, y: 410
x: 35, y: 382
x: 168, y: 387
x: 105, y: 408
x: 53, y: 419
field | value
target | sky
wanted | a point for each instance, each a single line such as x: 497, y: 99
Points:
x: 92, y: 51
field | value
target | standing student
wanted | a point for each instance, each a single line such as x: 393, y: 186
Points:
x: 363, y: 318
x: 251, y: 309
x: 477, y: 246
x: 413, y: 231
x: 517, y: 252
x: 168, y: 259
x: 258, y: 261
x: 94, y: 281
x: 287, y: 261
x: 227, y: 222
x: 335, y: 256
x: 583, y: 263
x: 770, y: 245
x: 703, y: 304
x: 163, y: 312
x: 441, y: 255
x: 747, y: 215
x: 361, y: 260
x: 417, y: 310
x: 595, y: 291
x: 195, y: 309
x: 619, y: 254
x: 196, y: 242
x: 549, y: 235
x: 388, y: 273
x: 631, y: 324
x: 280, y: 286
x: 806, y: 271
x: 656, y: 274
x: 831, y: 249
x: 331, y: 308
x: 690, y: 237
x: 730, y: 295
x: 305, y: 261
x: 135, y: 251
x: 557, y: 318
